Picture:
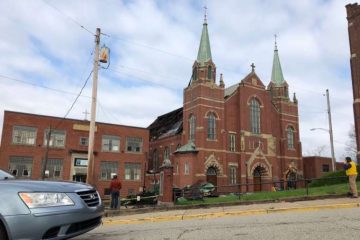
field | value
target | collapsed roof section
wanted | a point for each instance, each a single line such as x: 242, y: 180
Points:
x: 169, y: 124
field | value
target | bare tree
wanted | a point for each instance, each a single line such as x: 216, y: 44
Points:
x: 350, y: 144
x: 318, y: 151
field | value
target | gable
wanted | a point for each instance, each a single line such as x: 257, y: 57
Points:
x: 253, y: 80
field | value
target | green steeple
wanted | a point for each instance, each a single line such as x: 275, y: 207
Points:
x: 276, y: 74
x: 204, y: 53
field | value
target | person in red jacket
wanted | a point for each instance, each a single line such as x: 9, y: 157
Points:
x: 115, y: 187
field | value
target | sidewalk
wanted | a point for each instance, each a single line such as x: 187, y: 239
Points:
x: 238, y: 210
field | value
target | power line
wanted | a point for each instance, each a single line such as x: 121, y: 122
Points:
x: 77, y: 97
x: 150, y: 47
x: 68, y: 17
x: 143, y: 79
x: 38, y: 85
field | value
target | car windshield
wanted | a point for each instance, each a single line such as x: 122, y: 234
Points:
x: 4, y: 175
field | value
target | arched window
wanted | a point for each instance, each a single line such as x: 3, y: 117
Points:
x: 155, y: 160
x: 211, y: 126
x: 209, y: 73
x: 192, y: 126
x: 167, y: 153
x: 255, y: 116
x: 290, y: 137
x: 194, y: 76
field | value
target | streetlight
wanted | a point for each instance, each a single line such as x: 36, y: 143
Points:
x: 331, y: 145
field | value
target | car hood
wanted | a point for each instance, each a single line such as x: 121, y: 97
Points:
x: 46, y: 186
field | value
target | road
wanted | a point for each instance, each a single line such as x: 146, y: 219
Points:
x: 330, y: 224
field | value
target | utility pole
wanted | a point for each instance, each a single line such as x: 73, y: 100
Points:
x: 330, y: 131
x: 90, y: 171
x: 48, y: 137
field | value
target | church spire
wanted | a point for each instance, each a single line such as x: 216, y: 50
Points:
x: 204, y: 53
x: 276, y: 75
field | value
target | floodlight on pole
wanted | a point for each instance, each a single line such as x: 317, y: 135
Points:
x: 331, y: 146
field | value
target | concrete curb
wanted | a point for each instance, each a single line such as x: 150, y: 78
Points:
x: 228, y: 213
x: 122, y: 212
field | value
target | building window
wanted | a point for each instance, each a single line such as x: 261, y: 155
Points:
x: 132, y: 171
x: 255, y: 116
x: 167, y: 153
x: 209, y: 73
x: 108, y: 169
x: 232, y: 175
x: 290, y: 137
x: 54, y: 168
x: 325, y: 168
x: 232, y: 142
x: 211, y: 126
x: 192, y: 127
x: 194, y: 74
x: 24, y: 135
x: 186, y: 168
x: 57, y: 138
x: 134, y: 144
x: 110, y: 143
x: 20, y: 166
x: 84, y: 141
x: 155, y: 161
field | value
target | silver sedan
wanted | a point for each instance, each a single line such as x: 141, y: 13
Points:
x: 47, y: 209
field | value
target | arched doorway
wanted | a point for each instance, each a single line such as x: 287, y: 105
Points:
x: 291, y: 180
x: 211, y: 175
x: 257, y: 176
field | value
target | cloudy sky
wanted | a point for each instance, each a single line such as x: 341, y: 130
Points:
x: 47, y: 54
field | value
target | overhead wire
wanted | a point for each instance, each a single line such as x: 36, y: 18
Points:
x: 73, y: 104
x: 38, y: 85
x: 77, y: 97
x: 68, y: 17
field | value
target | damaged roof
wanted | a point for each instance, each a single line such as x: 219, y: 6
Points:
x: 167, y: 125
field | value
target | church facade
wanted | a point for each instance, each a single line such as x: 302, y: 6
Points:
x: 238, y: 137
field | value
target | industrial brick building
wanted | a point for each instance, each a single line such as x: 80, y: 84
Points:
x: 247, y: 133
x: 118, y: 150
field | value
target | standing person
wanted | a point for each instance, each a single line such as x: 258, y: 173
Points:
x: 351, y: 172
x: 115, y: 187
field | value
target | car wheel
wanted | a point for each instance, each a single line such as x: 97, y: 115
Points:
x: 3, y: 234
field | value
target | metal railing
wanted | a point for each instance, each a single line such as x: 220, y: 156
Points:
x: 269, y: 186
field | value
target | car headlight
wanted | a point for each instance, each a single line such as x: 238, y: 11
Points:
x: 45, y: 199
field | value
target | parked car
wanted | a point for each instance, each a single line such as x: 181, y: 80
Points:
x: 47, y: 209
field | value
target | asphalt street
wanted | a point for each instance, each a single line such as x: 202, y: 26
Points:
x: 316, y: 219
x: 330, y: 224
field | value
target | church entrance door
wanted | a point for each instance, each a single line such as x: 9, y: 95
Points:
x: 257, y: 176
x: 211, y: 176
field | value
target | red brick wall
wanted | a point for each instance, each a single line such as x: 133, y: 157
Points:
x: 313, y: 166
x: 353, y: 17
x: 72, y: 144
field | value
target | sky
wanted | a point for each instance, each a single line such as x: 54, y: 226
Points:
x: 47, y: 51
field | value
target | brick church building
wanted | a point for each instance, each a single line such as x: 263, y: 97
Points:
x: 247, y: 133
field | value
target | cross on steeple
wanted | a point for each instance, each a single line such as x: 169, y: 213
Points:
x: 275, y: 41
x: 205, y: 14
x: 86, y: 113
x: 252, y: 67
